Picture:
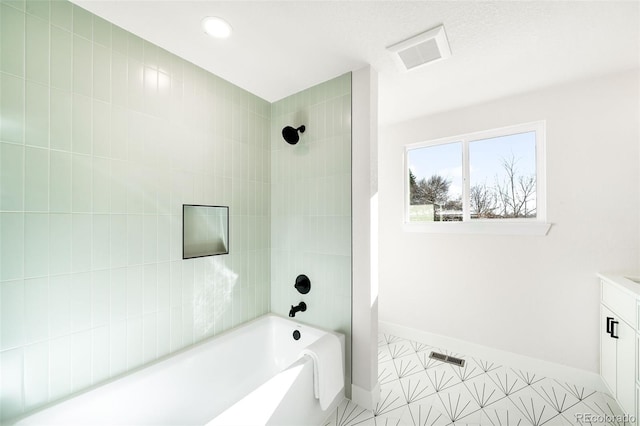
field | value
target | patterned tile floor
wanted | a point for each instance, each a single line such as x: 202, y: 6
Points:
x: 417, y: 390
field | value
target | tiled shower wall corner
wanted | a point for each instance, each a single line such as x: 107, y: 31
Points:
x: 311, y: 206
x: 103, y: 137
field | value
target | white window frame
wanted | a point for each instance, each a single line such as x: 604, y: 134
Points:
x: 509, y: 226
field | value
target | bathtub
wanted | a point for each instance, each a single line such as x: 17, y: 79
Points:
x: 251, y: 375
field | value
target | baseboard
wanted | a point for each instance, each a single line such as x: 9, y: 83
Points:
x: 366, y: 398
x: 549, y: 369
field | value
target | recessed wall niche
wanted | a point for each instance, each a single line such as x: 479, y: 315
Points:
x: 205, y: 230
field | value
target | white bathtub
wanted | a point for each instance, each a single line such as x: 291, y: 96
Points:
x: 250, y: 375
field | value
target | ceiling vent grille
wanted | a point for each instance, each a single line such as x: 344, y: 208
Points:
x: 421, y: 49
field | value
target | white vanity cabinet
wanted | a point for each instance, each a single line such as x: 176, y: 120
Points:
x: 620, y: 340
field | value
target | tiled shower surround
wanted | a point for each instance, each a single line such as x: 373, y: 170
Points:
x: 311, y: 206
x: 103, y: 137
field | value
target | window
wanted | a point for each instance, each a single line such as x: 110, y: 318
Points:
x: 486, y: 182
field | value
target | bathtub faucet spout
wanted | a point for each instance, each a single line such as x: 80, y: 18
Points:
x: 300, y: 308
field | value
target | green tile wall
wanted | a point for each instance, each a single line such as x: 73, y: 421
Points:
x: 103, y: 137
x: 311, y: 206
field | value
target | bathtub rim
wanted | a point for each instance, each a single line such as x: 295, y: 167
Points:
x: 180, y: 352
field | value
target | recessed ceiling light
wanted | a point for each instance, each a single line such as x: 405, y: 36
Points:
x: 216, y: 27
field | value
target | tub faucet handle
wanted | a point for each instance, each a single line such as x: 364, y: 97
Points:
x: 300, y: 308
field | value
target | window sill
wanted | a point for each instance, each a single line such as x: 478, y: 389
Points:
x: 480, y: 228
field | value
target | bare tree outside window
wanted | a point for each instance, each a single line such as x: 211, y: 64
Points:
x: 516, y: 193
x: 484, y: 201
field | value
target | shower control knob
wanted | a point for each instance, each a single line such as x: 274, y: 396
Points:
x: 303, y: 284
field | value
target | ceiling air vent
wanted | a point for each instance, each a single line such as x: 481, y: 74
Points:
x: 426, y: 47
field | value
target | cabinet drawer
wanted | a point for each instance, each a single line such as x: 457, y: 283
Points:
x: 621, y: 303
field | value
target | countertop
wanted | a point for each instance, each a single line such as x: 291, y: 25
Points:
x: 624, y: 281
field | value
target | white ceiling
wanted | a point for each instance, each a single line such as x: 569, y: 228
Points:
x: 499, y: 48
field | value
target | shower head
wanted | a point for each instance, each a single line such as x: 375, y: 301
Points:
x: 291, y: 135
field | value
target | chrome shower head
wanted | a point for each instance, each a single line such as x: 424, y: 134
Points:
x: 291, y: 135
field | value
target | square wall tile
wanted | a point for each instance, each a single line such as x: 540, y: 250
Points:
x: 60, y: 290
x: 11, y: 246
x: 81, y: 183
x: 60, y: 367
x: 100, y: 282
x: 134, y: 342
x: 150, y: 237
x: 101, y: 73
x: 119, y: 79
x: 163, y: 334
x: 149, y: 337
x: 62, y: 14
x: 135, y: 47
x: 37, y: 115
x: 101, y: 185
x: 11, y: 177
x: 60, y: 132
x: 11, y: 391
x: 60, y: 240
x: 118, y: 241
x: 82, y: 22
x: 80, y: 301
x: 36, y: 375
x: 36, y: 304
x: 135, y: 84
x: 101, y: 31
x: 36, y: 245
x: 150, y: 289
x: 36, y: 197
x: 12, y: 314
x: 38, y: 8
x: 134, y: 286
x: 81, y: 242
x: 164, y: 224
x: 119, y: 40
x: 118, y: 187
x: 37, y: 49
x: 99, y: 354
x: 81, y: 135
x: 12, y: 40
x: 118, y: 295
x: 80, y: 360
x: 117, y: 348
x: 60, y: 182
x: 164, y: 286
x: 12, y: 108
x: 82, y: 66
x: 101, y: 129
x: 134, y: 239
x: 100, y: 242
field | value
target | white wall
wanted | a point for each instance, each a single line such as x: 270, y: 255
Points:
x: 536, y: 296
x: 366, y: 389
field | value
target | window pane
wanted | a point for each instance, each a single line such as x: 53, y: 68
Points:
x: 435, y: 183
x: 503, y: 177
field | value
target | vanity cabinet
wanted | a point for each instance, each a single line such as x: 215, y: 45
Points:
x: 619, y: 340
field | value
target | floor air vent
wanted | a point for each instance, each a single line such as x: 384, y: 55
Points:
x: 446, y: 358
